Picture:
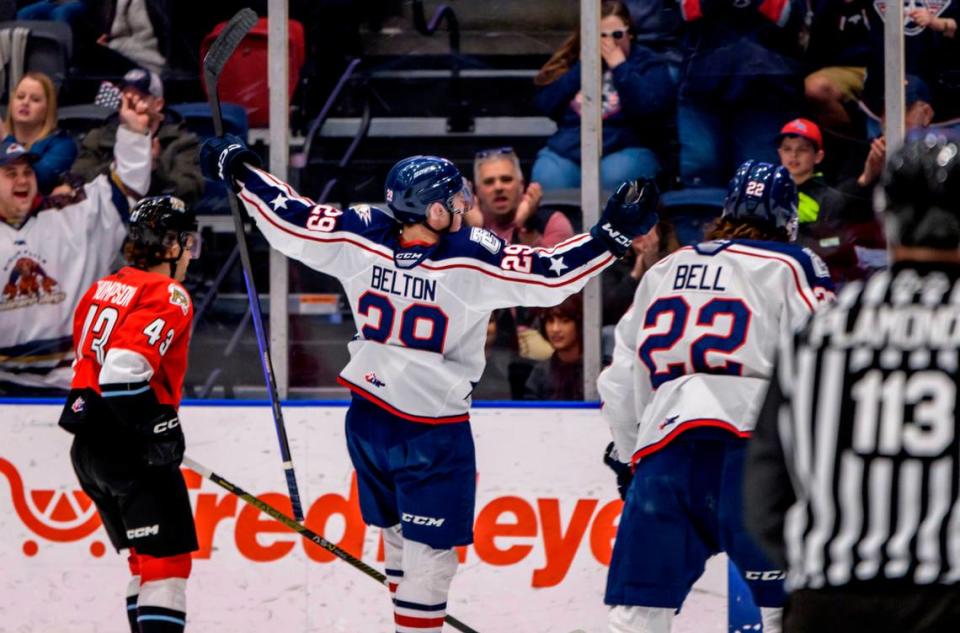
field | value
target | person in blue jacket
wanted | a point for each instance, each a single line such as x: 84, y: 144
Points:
x: 637, y: 94
x: 741, y: 79
x: 31, y: 121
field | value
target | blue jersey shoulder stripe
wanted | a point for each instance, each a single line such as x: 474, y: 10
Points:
x: 285, y: 203
x: 815, y: 271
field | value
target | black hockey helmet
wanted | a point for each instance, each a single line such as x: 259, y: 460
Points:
x: 920, y: 196
x: 156, y: 224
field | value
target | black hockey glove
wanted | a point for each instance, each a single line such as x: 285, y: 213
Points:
x: 155, y: 426
x: 630, y: 212
x: 623, y: 470
x: 222, y: 157
x: 164, y: 437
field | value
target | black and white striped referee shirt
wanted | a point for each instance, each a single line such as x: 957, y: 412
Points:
x: 853, y: 468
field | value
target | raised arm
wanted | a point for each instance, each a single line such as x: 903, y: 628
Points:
x: 513, y: 275
x: 320, y: 236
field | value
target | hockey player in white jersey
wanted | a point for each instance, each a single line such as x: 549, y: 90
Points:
x: 421, y: 293
x: 692, y: 359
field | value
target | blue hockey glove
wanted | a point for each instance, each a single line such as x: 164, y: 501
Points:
x: 630, y: 212
x: 623, y: 470
x: 222, y: 157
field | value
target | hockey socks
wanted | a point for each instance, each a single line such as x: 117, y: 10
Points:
x: 420, y: 601
x: 162, y: 602
x: 133, y: 590
x: 393, y: 557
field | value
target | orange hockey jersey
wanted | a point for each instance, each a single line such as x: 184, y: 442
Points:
x: 131, y: 332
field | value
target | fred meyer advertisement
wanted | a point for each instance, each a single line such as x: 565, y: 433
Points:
x: 546, y: 517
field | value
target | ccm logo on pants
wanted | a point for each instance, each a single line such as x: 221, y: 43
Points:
x: 416, y: 519
x: 140, y: 532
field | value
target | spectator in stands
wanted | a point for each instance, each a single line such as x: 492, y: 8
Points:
x: 741, y: 79
x: 31, y: 121
x: 830, y: 223
x: 931, y: 51
x: 561, y: 376
x: 919, y: 113
x: 132, y: 34
x: 49, y: 257
x: 637, y: 95
x: 839, y: 47
x: 508, y: 209
x: 800, y: 146
x: 175, y: 150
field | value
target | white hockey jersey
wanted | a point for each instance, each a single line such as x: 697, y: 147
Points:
x: 696, y: 349
x: 48, y: 263
x: 421, y: 311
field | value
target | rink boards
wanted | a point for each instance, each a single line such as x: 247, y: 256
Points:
x: 546, y: 516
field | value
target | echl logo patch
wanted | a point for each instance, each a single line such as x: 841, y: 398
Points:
x: 179, y: 298
x: 372, y: 378
x: 78, y: 405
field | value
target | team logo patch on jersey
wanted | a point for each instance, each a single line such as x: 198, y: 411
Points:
x: 179, y: 298
x: 372, y: 378
x: 364, y: 213
x: 486, y: 239
x: 668, y: 422
x: 27, y: 283
x: 819, y: 266
x: 78, y: 405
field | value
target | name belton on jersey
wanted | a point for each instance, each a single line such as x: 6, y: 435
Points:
x: 421, y: 311
x: 704, y: 326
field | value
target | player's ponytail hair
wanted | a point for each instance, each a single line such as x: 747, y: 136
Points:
x: 745, y: 229
x: 569, y: 52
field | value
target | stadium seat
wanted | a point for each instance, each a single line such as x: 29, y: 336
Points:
x: 80, y: 119
x: 244, y: 79
x: 49, y: 48
x: 200, y: 120
x: 691, y: 210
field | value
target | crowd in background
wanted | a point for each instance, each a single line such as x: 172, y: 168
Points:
x: 690, y: 90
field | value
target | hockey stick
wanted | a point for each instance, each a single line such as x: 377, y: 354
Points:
x: 304, y: 531
x: 213, y: 63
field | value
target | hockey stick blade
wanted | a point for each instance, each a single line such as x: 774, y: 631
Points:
x: 303, y: 530
x: 227, y: 41
x: 213, y: 64
x: 219, y: 54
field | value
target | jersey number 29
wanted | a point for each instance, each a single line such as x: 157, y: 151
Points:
x: 422, y: 326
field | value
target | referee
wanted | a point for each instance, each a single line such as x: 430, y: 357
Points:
x: 853, y: 475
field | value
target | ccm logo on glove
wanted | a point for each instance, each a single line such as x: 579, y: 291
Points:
x: 615, y: 235
x: 166, y: 425
x: 223, y: 158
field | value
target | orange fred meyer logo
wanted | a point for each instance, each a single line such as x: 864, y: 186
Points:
x: 53, y: 515
x: 506, y: 531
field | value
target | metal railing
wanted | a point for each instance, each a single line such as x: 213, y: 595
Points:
x: 460, y: 119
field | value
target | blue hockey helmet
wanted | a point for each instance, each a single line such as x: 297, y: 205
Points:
x: 763, y: 192
x: 414, y: 183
